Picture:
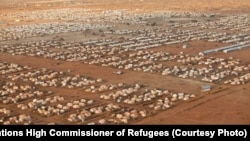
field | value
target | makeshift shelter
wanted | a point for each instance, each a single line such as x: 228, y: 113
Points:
x: 205, y: 88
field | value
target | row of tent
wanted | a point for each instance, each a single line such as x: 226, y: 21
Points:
x: 227, y: 49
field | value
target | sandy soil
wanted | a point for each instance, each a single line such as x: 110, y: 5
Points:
x: 137, y: 5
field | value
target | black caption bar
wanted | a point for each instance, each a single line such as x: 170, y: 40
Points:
x: 174, y: 132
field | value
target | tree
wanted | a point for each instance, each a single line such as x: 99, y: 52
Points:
x: 154, y: 24
x: 194, y: 21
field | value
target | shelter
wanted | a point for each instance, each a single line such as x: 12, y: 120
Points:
x: 205, y: 88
